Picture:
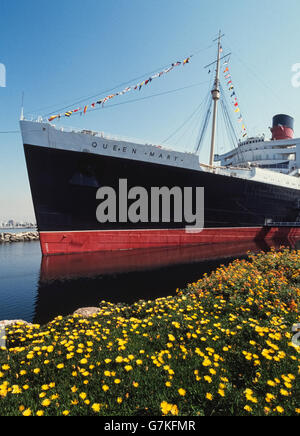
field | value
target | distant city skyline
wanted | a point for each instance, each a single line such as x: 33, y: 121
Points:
x: 16, y: 223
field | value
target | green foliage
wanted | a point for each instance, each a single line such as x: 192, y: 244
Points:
x: 221, y: 347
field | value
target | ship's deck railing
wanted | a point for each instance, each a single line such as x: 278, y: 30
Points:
x: 99, y: 134
x: 214, y: 168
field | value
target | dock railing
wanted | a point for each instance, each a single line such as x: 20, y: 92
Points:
x: 282, y: 224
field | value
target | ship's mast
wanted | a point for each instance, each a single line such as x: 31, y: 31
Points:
x: 216, y: 97
x: 215, y: 92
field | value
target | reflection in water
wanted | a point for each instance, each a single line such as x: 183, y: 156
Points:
x: 68, y: 282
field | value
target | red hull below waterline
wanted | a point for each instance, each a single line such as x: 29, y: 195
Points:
x: 53, y: 243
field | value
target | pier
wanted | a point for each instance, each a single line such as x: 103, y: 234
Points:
x: 283, y: 224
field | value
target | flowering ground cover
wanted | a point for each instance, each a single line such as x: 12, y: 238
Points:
x: 223, y: 346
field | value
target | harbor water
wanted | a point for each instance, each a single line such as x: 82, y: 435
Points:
x: 38, y: 289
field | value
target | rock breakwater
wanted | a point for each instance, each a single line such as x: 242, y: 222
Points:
x: 18, y: 237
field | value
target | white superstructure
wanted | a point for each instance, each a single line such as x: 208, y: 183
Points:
x: 280, y: 156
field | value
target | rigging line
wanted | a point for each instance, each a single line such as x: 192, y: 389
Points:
x: 222, y: 146
x: 230, y: 128
x: 185, y: 122
x: 205, y: 123
x: 229, y: 132
x: 188, y: 129
x: 256, y: 76
x: 227, y: 112
x: 81, y: 99
x: 236, y: 140
x: 227, y: 126
x: 101, y: 92
x: 143, y: 98
x: 11, y: 131
x: 191, y: 134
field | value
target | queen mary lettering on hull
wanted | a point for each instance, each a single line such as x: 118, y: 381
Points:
x: 249, y: 193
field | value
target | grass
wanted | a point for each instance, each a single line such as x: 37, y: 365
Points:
x: 223, y: 346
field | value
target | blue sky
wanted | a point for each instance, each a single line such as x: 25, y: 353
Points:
x: 59, y: 51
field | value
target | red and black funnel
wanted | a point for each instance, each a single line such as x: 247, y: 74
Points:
x: 283, y: 127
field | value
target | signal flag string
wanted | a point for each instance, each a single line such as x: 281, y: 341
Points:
x: 236, y: 107
x: 83, y: 110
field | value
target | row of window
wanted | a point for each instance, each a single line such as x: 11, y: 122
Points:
x: 283, y: 165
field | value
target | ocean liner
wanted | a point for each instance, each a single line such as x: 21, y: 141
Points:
x: 250, y: 193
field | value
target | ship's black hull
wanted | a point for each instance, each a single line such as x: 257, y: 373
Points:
x: 64, y: 186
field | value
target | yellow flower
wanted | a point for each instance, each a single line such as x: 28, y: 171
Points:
x: 27, y: 412
x: 82, y: 395
x: 209, y: 396
x: 117, y: 381
x: 46, y: 403
x: 96, y: 407
x: 181, y: 392
x: 248, y: 408
x: 105, y: 388
x: 40, y: 413
x: 208, y: 378
x: 165, y: 407
x: 66, y: 412
x: 269, y: 397
x: 60, y: 366
x: 5, y: 367
x: 119, y: 400
x: 174, y: 410
x: 16, y: 389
